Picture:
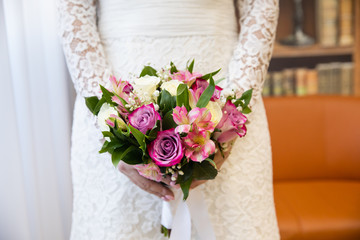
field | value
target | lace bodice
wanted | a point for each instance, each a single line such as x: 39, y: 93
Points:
x: 247, y: 69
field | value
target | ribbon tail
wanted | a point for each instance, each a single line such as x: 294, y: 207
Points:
x: 199, y: 214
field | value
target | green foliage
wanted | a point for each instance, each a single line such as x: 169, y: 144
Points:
x: 166, y: 102
x: 191, y: 66
x: 129, y: 154
x: 107, y: 95
x: 173, y: 68
x: 206, y: 95
x: 165, y: 231
x: 244, y: 101
x: 147, y: 70
x: 152, y: 134
x: 94, y: 104
x: 182, y: 98
x: 168, y: 121
x: 204, y: 170
x: 139, y: 136
x: 185, y: 187
x: 209, y: 75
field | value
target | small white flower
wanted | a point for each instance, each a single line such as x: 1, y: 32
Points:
x: 156, y: 107
x: 156, y: 93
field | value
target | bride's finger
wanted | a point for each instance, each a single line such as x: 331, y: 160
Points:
x: 166, y: 180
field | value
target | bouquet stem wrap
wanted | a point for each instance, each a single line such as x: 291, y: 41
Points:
x: 177, y: 215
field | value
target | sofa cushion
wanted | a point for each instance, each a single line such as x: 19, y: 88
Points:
x: 315, y: 137
x: 318, y: 209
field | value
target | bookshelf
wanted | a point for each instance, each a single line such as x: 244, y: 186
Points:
x: 309, y: 57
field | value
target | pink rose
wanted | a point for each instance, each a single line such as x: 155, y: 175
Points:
x: 166, y: 150
x: 144, y: 118
x: 232, y: 124
x: 199, y: 87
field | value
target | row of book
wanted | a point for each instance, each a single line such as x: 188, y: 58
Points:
x: 327, y: 78
x: 335, y: 22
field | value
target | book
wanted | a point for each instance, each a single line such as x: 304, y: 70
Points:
x: 327, y: 17
x: 312, y: 82
x: 347, y: 78
x: 288, y: 82
x: 301, y: 81
x: 346, y: 37
x: 277, y: 89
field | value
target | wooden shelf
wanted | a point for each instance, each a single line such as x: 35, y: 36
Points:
x: 281, y: 51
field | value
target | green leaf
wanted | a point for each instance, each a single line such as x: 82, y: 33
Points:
x: 98, y: 106
x: 108, y: 134
x: 111, y: 146
x: 133, y: 155
x: 206, y: 95
x: 246, y: 96
x: 107, y: 95
x: 129, y: 154
x: 244, y: 101
x: 167, y: 102
x: 188, y: 172
x: 153, y: 132
x: 204, y: 171
x: 209, y: 75
x: 139, y: 136
x: 116, y: 155
x: 191, y: 66
x: 147, y: 70
x: 185, y: 187
x: 182, y: 97
x: 212, y: 162
x: 173, y: 68
x: 168, y: 121
x: 91, y: 103
x: 246, y: 110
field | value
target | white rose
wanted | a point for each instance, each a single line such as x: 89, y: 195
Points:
x: 146, y: 85
x: 105, y: 111
x: 216, y: 112
x: 171, y: 86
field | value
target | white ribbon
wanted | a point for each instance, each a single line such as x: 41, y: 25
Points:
x: 177, y: 216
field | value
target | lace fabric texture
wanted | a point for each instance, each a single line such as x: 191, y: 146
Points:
x: 106, y: 204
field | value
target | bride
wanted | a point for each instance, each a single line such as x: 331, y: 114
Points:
x: 119, y: 37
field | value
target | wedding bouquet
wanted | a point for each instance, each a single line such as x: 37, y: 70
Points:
x: 169, y: 122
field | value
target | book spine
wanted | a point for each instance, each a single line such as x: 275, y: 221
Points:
x: 300, y: 76
x: 346, y: 37
x: 277, y: 83
x: 327, y: 16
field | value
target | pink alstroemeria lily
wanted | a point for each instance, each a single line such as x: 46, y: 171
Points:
x: 199, y: 116
x: 198, y: 145
x: 186, y: 77
x: 121, y: 88
x: 150, y: 171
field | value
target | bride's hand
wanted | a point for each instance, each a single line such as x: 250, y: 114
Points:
x: 219, y: 160
x: 145, y: 184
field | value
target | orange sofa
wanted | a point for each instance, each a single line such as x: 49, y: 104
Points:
x: 316, y: 160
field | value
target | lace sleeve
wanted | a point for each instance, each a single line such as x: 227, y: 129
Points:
x: 250, y: 60
x: 82, y: 46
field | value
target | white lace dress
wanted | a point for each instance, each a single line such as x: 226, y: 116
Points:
x: 119, y: 37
